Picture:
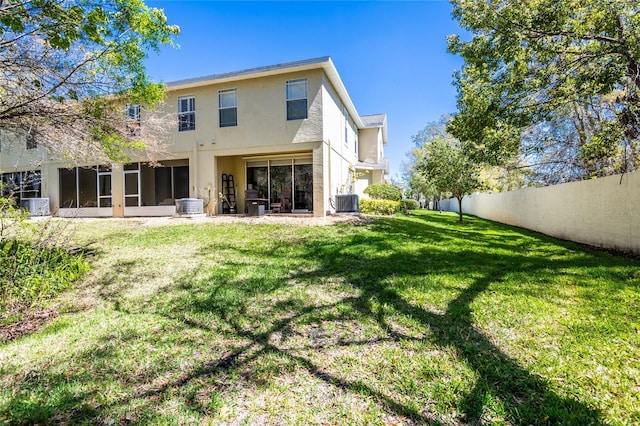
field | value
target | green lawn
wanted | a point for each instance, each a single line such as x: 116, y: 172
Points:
x: 405, y: 320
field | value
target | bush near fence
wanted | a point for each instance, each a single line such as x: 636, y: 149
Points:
x: 410, y: 204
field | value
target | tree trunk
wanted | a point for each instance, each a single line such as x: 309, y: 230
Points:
x: 460, y: 208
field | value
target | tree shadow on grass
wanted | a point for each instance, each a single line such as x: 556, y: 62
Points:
x: 255, y: 313
x: 526, y: 397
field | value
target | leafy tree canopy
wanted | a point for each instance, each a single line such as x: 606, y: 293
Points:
x: 68, y: 68
x: 449, y: 169
x: 529, y: 63
x: 383, y: 191
x: 442, y: 163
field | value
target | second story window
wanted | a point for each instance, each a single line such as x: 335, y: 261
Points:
x: 186, y: 113
x: 228, y: 107
x: 133, y: 119
x: 297, y: 99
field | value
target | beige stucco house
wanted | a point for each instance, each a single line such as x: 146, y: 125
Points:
x: 288, y: 133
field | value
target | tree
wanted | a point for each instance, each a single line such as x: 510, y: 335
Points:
x: 530, y: 64
x: 448, y: 167
x: 496, y: 178
x: 418, y: 185
x: 68, y: 71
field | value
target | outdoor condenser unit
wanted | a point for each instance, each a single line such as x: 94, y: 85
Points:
x: 347, y: 203
x: 189, y: 206
x: 36, y: 206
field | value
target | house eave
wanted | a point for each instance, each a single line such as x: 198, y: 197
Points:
x: 361, y: 165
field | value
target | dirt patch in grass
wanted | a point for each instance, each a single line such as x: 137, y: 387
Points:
x: 26, y: 322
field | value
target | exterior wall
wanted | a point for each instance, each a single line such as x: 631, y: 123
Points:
x: 370, y: 140
x: 338, y: 125
x: 321, y: 180
x: 603, y: 212
x: 362, y: 182
x: 262, y: 120
x: 377, y: 176
x: 341, y: 136
x: 236, y: 167
x: 14, y: 155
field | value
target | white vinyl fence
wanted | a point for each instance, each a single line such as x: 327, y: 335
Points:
x: 603, y: 212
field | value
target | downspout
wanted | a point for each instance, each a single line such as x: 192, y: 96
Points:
x: 329, y: 173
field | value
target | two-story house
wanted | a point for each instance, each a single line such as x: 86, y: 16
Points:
x: 288, y: 133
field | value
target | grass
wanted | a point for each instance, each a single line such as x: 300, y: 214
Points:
x: 405, y: 320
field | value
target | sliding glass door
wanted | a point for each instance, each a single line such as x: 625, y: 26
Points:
x: 277, y: 180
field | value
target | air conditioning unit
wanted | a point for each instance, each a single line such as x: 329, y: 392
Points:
x: 36, y: 206
x: 347, y: 203
x: 188, y: 206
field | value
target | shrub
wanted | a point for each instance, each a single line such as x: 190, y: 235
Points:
x: 410, y: 204
x: 383, y: 191
x: 35, y: 263
x: 382, y: 207
x: 30, y: 273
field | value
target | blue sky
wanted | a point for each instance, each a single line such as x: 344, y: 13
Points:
x: 391, y: 55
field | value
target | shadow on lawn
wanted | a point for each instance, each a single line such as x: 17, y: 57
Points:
x: 526, y: 397
x: 368, y: 262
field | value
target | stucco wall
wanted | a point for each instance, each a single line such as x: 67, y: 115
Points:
x: 370, y: 142
x: 340, y: 137
x: 262, y: 114
x: 14, y: 155
x: 603, y: 212
x: 338, y: 123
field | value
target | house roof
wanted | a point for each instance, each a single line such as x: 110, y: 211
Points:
x: 249, y: 73
x: 323, y: 62
x: 374, y: 120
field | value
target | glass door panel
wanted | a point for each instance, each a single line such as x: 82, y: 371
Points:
x: 287, y: 183
x: 132, y: 188
x: 181, y: 182
x: 303, y: 182
x: 258, y: 179
x: 87, y: 184
x: 280, y: 181
x: 104, y: 189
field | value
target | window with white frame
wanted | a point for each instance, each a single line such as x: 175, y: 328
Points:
x: 228, y: 107
x: 297, y: 99
x: 186, y: 113
x: 133, y: 119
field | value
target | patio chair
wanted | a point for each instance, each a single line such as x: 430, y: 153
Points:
x: 285, y: 201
